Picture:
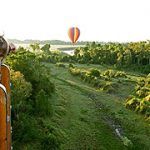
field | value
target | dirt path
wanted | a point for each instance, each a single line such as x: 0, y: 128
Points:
x: 81, y: 120
x: 94, y: 120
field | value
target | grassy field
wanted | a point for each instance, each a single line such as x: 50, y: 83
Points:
x: 90, y: 118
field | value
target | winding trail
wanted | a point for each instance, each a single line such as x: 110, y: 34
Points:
x: 79, y: 113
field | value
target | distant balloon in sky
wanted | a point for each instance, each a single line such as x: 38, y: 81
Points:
x: 73, y: 34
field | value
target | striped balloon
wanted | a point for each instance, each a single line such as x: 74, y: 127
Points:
x: 74, y: 34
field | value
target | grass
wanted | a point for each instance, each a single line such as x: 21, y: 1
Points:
x: 88, y: 116
x: 84, y: 130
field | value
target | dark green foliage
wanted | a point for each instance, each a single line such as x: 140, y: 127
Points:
x: 25, y: 129
x: 31, y: 96
x: 50, y: 142
x: 46, y: 49
x: 145, y: 69
x: 32, y: 69
x: 32, y: 112
x: 71, y: 66
x: 94, y: 72
x: 52, y: 137
x: 35, y: 46
x: 135, y: 54
x: 54, y: 56
x: 42, y: 104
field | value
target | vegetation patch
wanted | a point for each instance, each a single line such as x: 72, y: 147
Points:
x: 140, y: 101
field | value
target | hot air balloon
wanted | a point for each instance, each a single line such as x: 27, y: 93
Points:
x: 73, y: 34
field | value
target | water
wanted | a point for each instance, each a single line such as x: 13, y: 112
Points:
x: 69, y: 52
x: 53, y: 47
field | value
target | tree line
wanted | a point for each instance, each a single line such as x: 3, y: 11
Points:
x: 118, y: 54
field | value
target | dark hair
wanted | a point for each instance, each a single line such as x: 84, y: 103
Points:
x: 4, y: 48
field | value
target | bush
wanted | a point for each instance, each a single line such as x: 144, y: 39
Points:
x: 31, y: 90
x: 109, y: 73
x: 94, y: 72
x: 60, y: 65
x: 108, y: 87
x: 50, y: 142
x: 20, y: 93
x: 42, y: 104
x: 132, y: 103
x: 83, y: 74
x: 120, y: 74
x: 74, y: 71
x: 146, y: 69
x: 53, y: 137
x: 141, y: 101
x: 71, y: 66
x: 45, y: 84
x: 21, y: 89
x: 114, y: 74
x: 34, y: 72
x: 143, y: 107
x: 25, y: 129
x: 95, y: 82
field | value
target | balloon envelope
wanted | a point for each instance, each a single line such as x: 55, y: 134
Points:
x: 74, y: 34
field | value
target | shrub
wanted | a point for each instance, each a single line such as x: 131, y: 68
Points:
x: 31, y: 90
x: 143, y: 107
x: 21, y: 89
x: 50, y: 142
x: 109, y: 73
x: 71, y: 66
x: 25, y: 128
x: 120, y: 74
x: 114, y: 74
x: 33, y: 70
x: 95, y: 82
x: 74, y: 71
x: 42, y: 104
x: 108, y: 87
x: 53, y: 137
x: 20, y: 93
x: 146, y: 69
x: 132, y: 103
x: 60, y: 65
x: 141, y: 101
x: 83, y: 74
x: 94, y: 72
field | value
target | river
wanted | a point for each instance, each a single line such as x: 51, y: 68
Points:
x: 53, y: 47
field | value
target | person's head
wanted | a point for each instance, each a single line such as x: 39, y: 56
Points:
x: 4, y: 48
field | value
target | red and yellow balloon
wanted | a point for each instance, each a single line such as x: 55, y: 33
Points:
x: 73, y: 34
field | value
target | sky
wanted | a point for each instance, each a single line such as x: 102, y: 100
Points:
x: 98, y: 20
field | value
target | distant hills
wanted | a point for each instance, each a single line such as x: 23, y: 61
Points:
x: 51, y: 42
